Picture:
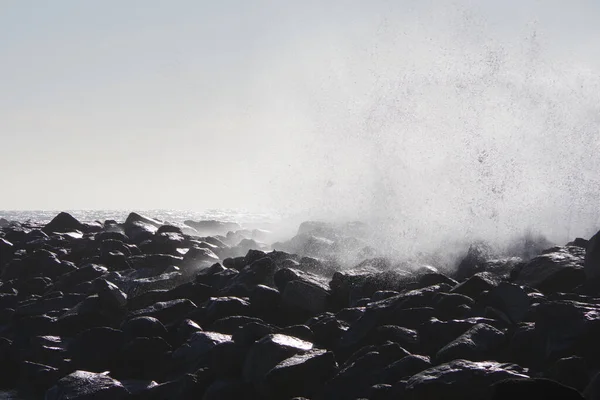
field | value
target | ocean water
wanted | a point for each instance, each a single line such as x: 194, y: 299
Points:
x: 178, y: 216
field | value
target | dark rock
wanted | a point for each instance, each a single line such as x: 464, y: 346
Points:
x: 481, y: 342
x: 139, y: 228
x: 525, y: 389
x: 405, y: 337
x: 405, y: 368
x: 144, y: 358
x: 473, y: 261
x: 185, y: 330
x: 435, y: 334
x: 305, y: 296
x: 300, y: 331
x: 196, y: 352
x: 265, y: 300
x: 227, y: 359
x: 87, y: 385
x: 592, y: 258
x: 187, y: 386
x: 475, y: 285
x: 252, y: 332
x: 62, y: 223
x: 435, y: 278
x: 540, y: 271
x: 83, y: 274
x: 166, y: 312
x: 97, y: 349
x: 511, y: 299
x: 212, y: 227
x: 299, y: 375
x: 36, y: 378
x: 143, y: 327
x: 221, y: 307
x: 268, y: 352
x: 229, y: 325
x: 460, y: 379
x: 592, y: 391
x: 87, y: 314
x: 109, y: 293
x: 230, y: 389
x: 570, y: 371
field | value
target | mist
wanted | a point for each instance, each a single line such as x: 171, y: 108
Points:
x: 439, y: 125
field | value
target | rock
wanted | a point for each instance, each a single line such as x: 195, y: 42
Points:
x: 592, y: 391
x: 6, y: 251
x: 109, y: 293
x: 89, y: 313
x: 592, y: 258
x: 229, y: 325
x: 405, y: 368
x: 87, y: 385
x: 558, y: 269
x: 166, y: 312
x: 511, y: 299
x: 481, y: 342
x: 570, y: 371
x: 63, y: 223
x: 268, y: 352
x: 84, y: 274
x: 143, y: 327
x: 435, y: 334
x: 196, y: 352
x: 221, y: 307
x: 264, y: 300
x: 139, y: 228
x: 460, y: 379
x: 185, y: 330
x: 97, y: 349
x: 435, y: 278
x: 473, y: 261
x: 197, y: 256
x: 252, y: 332
x: 187, y: 386
x: 144, y: 358
x: 525, y: 389
x: 305, y: 296
x: 230, y: 389
x: 299, y: 375
x: 212, y: 227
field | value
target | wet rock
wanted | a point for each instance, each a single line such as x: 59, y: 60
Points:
x: 212, y: 227
x: 87, y: 385
x: 89, y: 313
x: 230, y: 389
x: 185, y: 330
x: 63, y: 223
x: 97, y: 349
x: 229, y: 325
x: 196, y: 352
x: 405, y: 368
x: 139, y: 228
x: 186, y: 386
x: 36, y: 378
x: 252, y: 332
x: 299, y: 375
x: 511, y: 299
x: 460, y: 379
x: 265, y: 300
x: 83, y: 274
x: 144, y: 358
x: 166, y: 312
x: 268, y: 352
x: 473, y: 261
x: 109, y: 293
x: 227, y: 359
x: 143, y: 327
x: 481, y: 342
x: 558, y: 269
x: 305, y: 296
x: 570, y: 371
x: 525, y: 389
x: 475, y: 285
x: 221, y: 307
x: 435, y: 278
x: 592, y: 258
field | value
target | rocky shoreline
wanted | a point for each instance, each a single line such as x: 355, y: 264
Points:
x: 148, y: 310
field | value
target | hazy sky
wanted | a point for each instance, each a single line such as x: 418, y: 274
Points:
x: 192, y: 104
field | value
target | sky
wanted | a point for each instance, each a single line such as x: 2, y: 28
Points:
x: 310, y: 106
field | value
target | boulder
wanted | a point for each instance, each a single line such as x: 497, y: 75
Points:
x: 460, y: 379
x: 481, y: 342
x: 511, y: 299
x: 87, y: 385
x: 269, y: 351
x: 166, y: 312
x: 196, y: 352
x: 538, y: 388
x: 305, y: 296
x: 63, y: 223
x: 559, y: 269
x: 299, y: 375
x: 592, y: 258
